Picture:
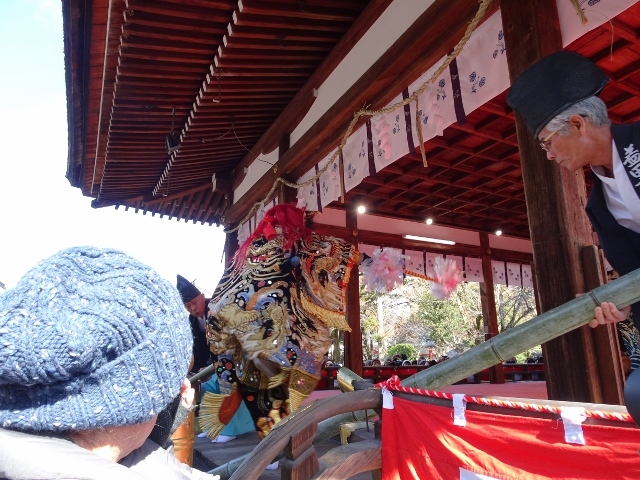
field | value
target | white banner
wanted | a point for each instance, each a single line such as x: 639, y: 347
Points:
x: 527, y: 277
x: 354, y: 154
x: 389, y: 133
x: 308, y: 195
x: 329, y: 181
x: 430, y: 263
x: 514, y: 277
x: 482, y: 65
x: 436, y: 103
x: 414, y: 261
x: 499, y: 272
x: 473, y: 269
x: 596, y: 11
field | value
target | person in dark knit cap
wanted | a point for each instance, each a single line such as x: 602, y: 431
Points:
x: 197, y: 306
x: 93, y: 346
x: 557, y: 97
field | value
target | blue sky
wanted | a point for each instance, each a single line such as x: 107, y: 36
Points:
x: 40, y: 212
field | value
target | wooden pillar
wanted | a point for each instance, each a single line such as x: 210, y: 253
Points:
x: 555, y: 198
x: 488, y: 300
x: 353, y: 340
x: 230, y: 247
x: 287, y: 194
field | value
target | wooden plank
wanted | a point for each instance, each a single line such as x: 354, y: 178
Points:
x: 353, y: 340
x: 488, y: 301
x: 350, y: 459
x: 301, y: 468
x: 605, y: 337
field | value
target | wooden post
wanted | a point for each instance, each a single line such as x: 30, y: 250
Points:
x: 488, y: 299
x: 230, y: 247
x: 287, y: 194
x: 353, y: 340
x: 605, y: 337
x: 555, y: 198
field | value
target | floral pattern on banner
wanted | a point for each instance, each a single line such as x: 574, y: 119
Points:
x: 499, y: 272
x: 431, y: 263
x: 329, y: 181
x: 414, y: 261
x: 436, y: 108
x: 513, y: 274
x: 355, y: 161
x: 527, y: 276
x: 308, y: 195
x: 473, y: 270
x: 482, y: 64
x: 389, y: 137
x: 596, y: 11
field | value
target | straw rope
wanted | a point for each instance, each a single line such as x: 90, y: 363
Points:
x: 394, y: 384
x: 364, y: 112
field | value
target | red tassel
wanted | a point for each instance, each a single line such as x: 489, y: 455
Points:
x: 269, y: 232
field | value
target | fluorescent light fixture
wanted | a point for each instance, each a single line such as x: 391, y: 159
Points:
x: 361, y: 209
x: 498, y: 232
x: 427, y: 239
x: 429, y: 221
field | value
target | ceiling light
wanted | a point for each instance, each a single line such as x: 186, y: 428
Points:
x: 429, y: 221
x: 361, y: 209
x: 498, y: 232
x: 427, y: 239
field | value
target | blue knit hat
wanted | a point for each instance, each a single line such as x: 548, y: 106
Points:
x: 90, y: 338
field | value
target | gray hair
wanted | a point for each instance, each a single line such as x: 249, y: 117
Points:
x: 591, y: 108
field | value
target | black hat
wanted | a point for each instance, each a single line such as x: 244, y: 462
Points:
x: 188, y: 291
x: 553, y: 84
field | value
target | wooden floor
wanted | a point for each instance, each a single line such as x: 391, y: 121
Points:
x: 221, y: 453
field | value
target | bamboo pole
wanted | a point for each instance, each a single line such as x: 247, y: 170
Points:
x: 558, y: 321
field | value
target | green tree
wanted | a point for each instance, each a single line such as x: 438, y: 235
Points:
x: 451, y: 324
x: 407, y: 349
x: 514, y: 305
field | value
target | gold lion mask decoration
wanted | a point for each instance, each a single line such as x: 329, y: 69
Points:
x: 270, y: 318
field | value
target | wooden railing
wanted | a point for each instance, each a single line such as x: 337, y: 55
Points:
x: 295, y: 435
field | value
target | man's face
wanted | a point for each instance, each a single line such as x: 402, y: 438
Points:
x: 567, y: 150
x: 196, y: 306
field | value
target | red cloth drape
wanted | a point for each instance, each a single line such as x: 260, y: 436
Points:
x: 419, y: 441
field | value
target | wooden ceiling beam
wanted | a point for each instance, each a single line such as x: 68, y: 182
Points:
x: 283, y: 24
x: 177, y: 11
x: 233, y: 43
x: 284, y: 34
x: 284, y: 10
x: 161, y: 22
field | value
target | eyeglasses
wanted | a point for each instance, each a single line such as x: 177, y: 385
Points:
x: 544, y: 143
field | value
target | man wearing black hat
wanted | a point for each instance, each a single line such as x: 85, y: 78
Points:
x: 557, y: 98
x: 196, y: 305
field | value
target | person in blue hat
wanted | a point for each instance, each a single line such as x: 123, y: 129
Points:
x: 557, y: 97
x: 94, y: 346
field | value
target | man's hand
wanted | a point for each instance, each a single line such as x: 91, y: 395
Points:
x: 608, y: 313
x: 187, y: 394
